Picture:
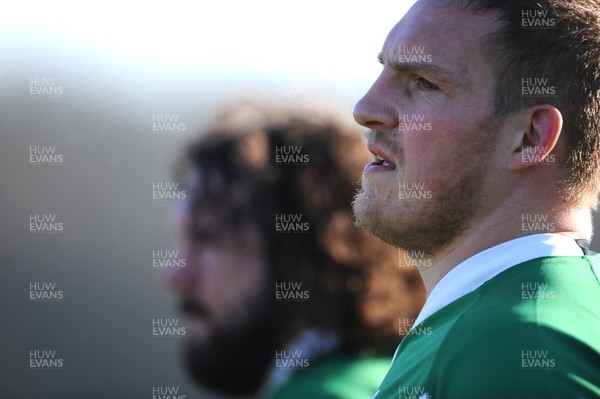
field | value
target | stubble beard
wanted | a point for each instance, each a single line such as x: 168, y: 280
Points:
x: 427, y: 225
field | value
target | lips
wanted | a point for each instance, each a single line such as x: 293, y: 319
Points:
x: 380, y: 162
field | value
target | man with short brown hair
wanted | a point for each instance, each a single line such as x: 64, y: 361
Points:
x: 484, y: 130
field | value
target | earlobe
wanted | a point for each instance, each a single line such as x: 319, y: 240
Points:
x: 534, y: 145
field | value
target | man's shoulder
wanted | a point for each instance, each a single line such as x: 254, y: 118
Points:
x: 519, y: 358
x: 533, y: 328
x: 545, y: 296
x: 560, y: 293
x: 550, y: 291
x: 337, y: 376
x: 531, y: 331
x: 551, y: 269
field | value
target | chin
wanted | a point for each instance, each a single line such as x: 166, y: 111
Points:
x: 390, y: 225
x: 368, y: 212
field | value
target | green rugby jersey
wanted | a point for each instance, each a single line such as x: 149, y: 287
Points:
x: 336, y: 376
x: 532, y: 331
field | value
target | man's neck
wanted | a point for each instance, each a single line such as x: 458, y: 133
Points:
x: 496, y: 229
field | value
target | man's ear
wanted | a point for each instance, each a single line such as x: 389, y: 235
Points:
x: 533, y: 144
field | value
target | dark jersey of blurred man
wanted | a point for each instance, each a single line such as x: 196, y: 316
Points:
x: 484, y: 126
x: 286, y: 298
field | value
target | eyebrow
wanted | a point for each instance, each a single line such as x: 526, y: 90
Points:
x: 417, y: 67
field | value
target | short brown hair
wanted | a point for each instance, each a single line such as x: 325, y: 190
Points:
x: 358, y: 287
x: 557, y: 40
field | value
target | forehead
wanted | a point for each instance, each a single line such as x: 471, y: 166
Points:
x: 448, y: 35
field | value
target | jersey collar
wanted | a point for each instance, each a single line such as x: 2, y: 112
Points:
x: 470, y: 274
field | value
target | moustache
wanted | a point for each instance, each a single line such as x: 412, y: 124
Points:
x: 387, y: 139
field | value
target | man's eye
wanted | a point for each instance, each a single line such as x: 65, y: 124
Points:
x: 425, y: 84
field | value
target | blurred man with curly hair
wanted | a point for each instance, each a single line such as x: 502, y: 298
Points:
x: 286, y: 297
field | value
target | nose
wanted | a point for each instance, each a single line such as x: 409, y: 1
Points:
x: 376, y: 109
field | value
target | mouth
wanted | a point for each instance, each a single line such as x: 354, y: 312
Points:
x: 192, y: 307
x: 380, y: 161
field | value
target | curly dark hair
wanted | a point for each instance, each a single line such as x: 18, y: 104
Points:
x: 358, y: 287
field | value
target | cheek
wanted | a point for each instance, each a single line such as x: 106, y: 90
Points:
x: 236, y: 280
x: 241, y: 283
x: 421, y: 154
x: 433, y: 154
